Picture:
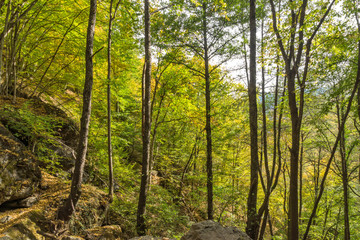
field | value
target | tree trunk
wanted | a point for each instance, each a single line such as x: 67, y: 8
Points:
x: 2, y: 85
x: 252, y: 225
x: 111, y: 177
x: 68, y: 208
x: 344, y: 172
x: 13, y: 59
x: 209, y: 161
x: 301, y: 176
x: 146, y: 128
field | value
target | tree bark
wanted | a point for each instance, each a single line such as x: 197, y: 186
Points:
x: 209, y: 161
x: 68, y: 208
x: 110, y: 160
x: 344, y: 172
x: 13, y: 60
x: 301, y: 177
x: 146, y: 128
x: 252, y: 225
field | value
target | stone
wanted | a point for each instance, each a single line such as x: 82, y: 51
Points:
x: 19, y: 173
x: 26, y: 229
x: 72, y: 238
x: 5, y: 219
x: 23, y: 203
x: 210, y: 230
x: 111, y: 232
x: 150, y: 238
x: 4, y: 237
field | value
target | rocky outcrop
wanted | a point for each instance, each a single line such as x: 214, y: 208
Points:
x: 210, y: 230
x: 24, y: 228
x: 19, y: 173
x: 39, y: 220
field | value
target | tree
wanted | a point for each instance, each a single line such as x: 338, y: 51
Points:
x: 252, y: 225
x: 14, y: 14
x: 203, y: 28
x: 292, y: 59
x: 66, y: 210
x: 111, y: 19
x: 146, y: 125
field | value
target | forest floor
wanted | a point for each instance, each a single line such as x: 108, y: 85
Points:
x: 40, y: 217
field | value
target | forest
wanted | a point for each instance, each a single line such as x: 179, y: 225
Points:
x: 242, y: 112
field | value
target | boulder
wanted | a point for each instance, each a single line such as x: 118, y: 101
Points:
x: 27, y: 228
x: 150, y: 238
x: 19, y: 173
x: 210, y: 230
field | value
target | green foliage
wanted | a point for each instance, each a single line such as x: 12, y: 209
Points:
x: 164, y: 217
x: 51, y: 65
x: 37, y: 132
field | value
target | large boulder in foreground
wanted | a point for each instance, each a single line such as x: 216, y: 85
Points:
x: 19, y: 173
x: 210, y: 230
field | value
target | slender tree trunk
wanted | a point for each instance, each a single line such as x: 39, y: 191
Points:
x: 209, y: 161
x: 68, y: 208
x: 344, y: 172
x: 293, y: 226
x: 146, y: 128
x: 7, y: 69
x: 301, y: 176
x: 252, y: 225
x: 2, y: 85
x: 111, y: 177
x: 263, y: 224
x: 14, y: 61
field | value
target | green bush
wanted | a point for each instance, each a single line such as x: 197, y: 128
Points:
x: 35, y: 131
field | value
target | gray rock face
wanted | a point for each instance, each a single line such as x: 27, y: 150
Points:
x: 19, y: 173
x: 210, y: 230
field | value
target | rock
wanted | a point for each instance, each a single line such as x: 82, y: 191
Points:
x: 210, y: 230
x: 23, y: 203
x: 5, y: 237
x: 150, y: 238
x: 20, y: 174
x: 111, y: 232
x: 26, y: 229
x: 5, y: 219
x: 72, y: 238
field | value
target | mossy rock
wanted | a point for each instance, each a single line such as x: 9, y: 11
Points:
x: 19, y: 173
x: 27, y: 228
x: 111, y: 232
